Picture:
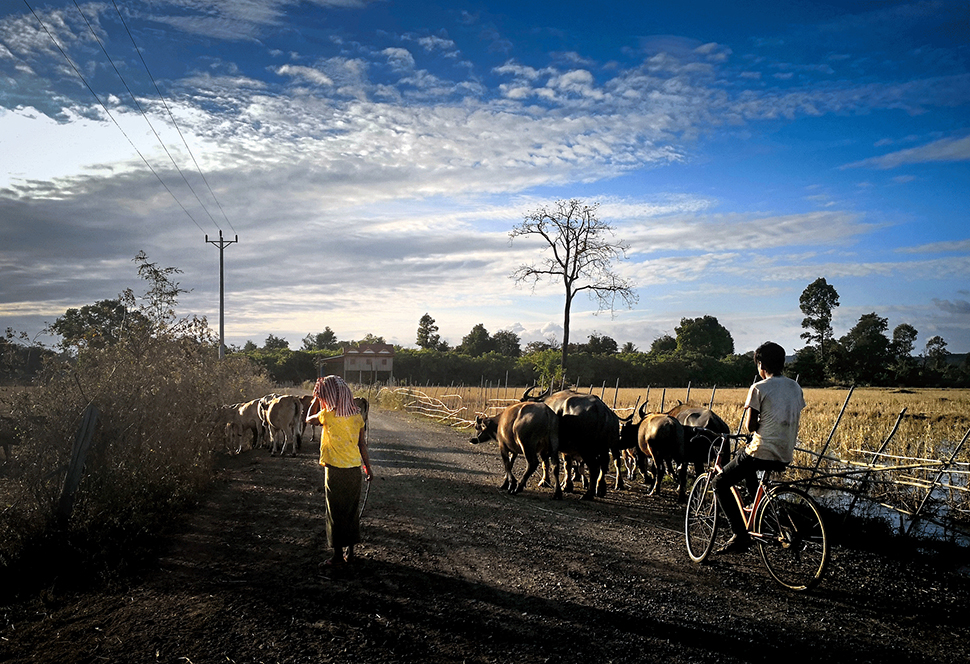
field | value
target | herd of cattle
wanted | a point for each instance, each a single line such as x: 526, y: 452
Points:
x: 563, y: 428
x: 582, y: 428
x: 271, y: 420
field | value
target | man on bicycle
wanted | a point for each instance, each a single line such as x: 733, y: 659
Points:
x: 772, y: 411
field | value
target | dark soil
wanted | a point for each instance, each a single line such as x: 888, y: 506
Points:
x: 453, y: 570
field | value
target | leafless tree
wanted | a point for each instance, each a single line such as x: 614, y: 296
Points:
x: 582, y: 254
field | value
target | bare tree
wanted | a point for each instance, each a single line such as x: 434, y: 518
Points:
x: 582, y: 255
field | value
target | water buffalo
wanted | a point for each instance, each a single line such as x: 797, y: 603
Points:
x: 528, y: 428
x: 700, y: 418
x: 667, y: 442
x: 588, y: 429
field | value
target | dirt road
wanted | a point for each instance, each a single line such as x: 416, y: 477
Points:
x: 453, y: 570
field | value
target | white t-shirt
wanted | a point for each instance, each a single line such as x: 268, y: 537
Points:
x: 779, y: 402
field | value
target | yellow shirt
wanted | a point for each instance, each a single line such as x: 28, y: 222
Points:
x: 338, y: 441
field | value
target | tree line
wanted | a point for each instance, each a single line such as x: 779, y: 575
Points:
x: 701, y: 352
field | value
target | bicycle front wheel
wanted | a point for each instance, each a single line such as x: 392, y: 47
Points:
x: 702, y: 521
x: 794, y: 545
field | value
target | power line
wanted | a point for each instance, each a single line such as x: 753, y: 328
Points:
x: 170, y: 114
x: 111, y: 117
x: 144, y: 115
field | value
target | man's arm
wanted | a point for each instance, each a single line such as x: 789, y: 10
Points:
x: 752, y: 419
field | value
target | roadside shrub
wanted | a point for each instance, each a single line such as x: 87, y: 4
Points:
x: 156, y: 390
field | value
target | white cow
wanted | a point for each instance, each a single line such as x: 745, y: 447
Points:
x: 285, y: 416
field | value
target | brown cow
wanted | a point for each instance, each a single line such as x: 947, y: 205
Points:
x: 527, y: 428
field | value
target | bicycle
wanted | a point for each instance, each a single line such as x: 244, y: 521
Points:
x: 782, y: 520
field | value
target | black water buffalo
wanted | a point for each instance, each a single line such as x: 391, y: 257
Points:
x: 668, y: 443
x: 588, y: 429
x: 700, y: 418
x: 528, y: 428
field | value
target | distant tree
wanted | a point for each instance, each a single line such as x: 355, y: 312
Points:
x: 97, y: 325
x: 817, y: 302
x: 663, y: 345
x: 866, y: 349
x: 325, y: 340
x: 936, y: 354
x: 370, y: 339
x: 538, y: 347
x: 806, y: 367
x: 506, y: 343
x: 901, y: 351
x: 601, y: 345
x: 477, y: 342
x: 628, y: 347
x: 275, y: 343
x: 249, y: 347
x: 582, y: 253
x: 704, y: 336
x: 428, y: 337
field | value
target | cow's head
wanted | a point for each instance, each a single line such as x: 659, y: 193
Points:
x: 486, y: 429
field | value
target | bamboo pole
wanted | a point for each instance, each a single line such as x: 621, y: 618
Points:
x: 831, y: 434
x: 939, y: 475
x: 880, y: 451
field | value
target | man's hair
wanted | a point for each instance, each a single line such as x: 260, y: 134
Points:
x: 771, y: 356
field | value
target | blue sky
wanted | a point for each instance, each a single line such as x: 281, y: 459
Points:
x: 373, y: 156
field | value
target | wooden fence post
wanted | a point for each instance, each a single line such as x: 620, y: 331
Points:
x: 79, y: 451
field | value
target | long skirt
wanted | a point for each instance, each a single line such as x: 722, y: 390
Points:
x: 342, y: 491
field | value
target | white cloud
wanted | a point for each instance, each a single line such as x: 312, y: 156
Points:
x: 306, y: 73
x: 943, y: 150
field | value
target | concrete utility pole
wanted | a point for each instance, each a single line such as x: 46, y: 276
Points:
x: 222, y: 244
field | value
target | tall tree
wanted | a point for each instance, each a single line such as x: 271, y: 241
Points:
x: 325, y: 340
x: 601, y: 345
x: 866, y: 350
x: 817, y: 302
x: 705, y: 336
x: 477, y: 342
x: 663, y: 345
x: 506, y: 342
x: 428, y: 333
x: 936, y: 353
x: 581, y: 254
x: 96, y: 325
x: 901, y: 351
x: 274, y: 342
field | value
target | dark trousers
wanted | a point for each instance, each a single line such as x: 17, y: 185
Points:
x: 740, y: 470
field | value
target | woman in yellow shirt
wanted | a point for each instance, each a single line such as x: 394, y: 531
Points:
x: 343, y: 448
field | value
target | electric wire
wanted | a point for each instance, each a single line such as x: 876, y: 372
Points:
x: 111, y: 117
x: 171, y: 115
x: 144, y: 115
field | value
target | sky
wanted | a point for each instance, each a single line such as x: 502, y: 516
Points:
x: 372, y: 157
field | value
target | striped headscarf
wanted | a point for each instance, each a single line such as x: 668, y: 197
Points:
x: 335, y: 395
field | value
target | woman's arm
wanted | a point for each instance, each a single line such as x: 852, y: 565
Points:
x: 362, y: 446
x: 311, y: 414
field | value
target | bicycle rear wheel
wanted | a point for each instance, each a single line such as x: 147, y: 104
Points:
x: 794, y: 545
x: 702, y: 520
